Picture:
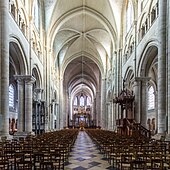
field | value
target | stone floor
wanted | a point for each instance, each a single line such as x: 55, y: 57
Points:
x: 85, y: 155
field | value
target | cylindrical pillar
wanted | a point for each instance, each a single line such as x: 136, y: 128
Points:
x: 21, y: 111
x: 103, y: 101
x: 28, y: 103
x: 162, y: 67
x: 4, y: 71
x: 57, y: 117
x: 107, y: 114
x: 61, y: 105
x: 144, y: 105
x: 156, y: 111
x: 98, y: 111
x: 136, y: 89
x: 168, y: 103
x: 111, y: 116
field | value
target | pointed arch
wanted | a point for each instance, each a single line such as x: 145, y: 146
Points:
x: 17, y: 56
x: 37, y: 75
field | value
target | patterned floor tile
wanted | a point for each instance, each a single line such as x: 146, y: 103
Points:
x: 86, y: 156
x: 79, y: 168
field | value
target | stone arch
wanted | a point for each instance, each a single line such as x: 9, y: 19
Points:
x: 152, y: 5
x: 129, y: 78
x: 24, y: 23
x: 142, y: 26
x: 17, y: 66
x: 37, y: 75
x: 99, y: 64
x: 148, y: 73
x: 17, y: 56
x: 147, y: 59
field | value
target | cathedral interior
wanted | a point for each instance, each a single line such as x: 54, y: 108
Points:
x: 86, y: 68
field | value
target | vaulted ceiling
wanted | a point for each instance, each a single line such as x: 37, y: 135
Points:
x: 83, y: 35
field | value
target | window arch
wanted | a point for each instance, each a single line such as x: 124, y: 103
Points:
x: 151, y: 98
x: 129, y: 15
x: 11, y: 96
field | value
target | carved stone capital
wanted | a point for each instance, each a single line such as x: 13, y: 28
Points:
x: 24, y: 78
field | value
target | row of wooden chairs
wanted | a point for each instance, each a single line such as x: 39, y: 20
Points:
x: 130, y: 152
x: 47, y: 151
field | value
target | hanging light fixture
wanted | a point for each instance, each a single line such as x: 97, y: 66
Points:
x: 83, y: 31
x: 81, y: 74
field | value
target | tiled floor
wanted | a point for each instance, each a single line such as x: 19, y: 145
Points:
x: 85, y: 155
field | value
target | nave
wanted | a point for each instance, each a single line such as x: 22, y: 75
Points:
x: 85, y: 155
x: 91, y: 149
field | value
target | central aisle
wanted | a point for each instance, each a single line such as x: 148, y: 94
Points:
x: 85, y: 155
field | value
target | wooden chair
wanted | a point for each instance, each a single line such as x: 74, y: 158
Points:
x: 57, y: 160
x: 138, y: 165
x: 125, y: 163
x: 157, y: 164
x: 47, y: 166
x: 38, y: 158
x: 4, y: 164
x: 24, y: 165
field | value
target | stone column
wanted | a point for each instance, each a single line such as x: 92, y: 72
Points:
x: 21, y: 109
x: 25, y: 102
x: 115, y: 116
x: 94, y: 112
x: 103, y: 104
x: 144, y: 105
x: 119, y: 67
x: 136, y: 89
x: 162, y: 67
x: 57, y: 116
x: 107, y: 116
x: 111, y: 115
x: 156, y: 110
x: 66, y: 109
x: 71, y: 112
x: 98, y: 109
x: 61, y: 104
x: 4, y: 71
x: 52, y: 116
x: 29, y: 80
x: 119, y: 77
x: 38, y: 105
x: 168, y: 103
